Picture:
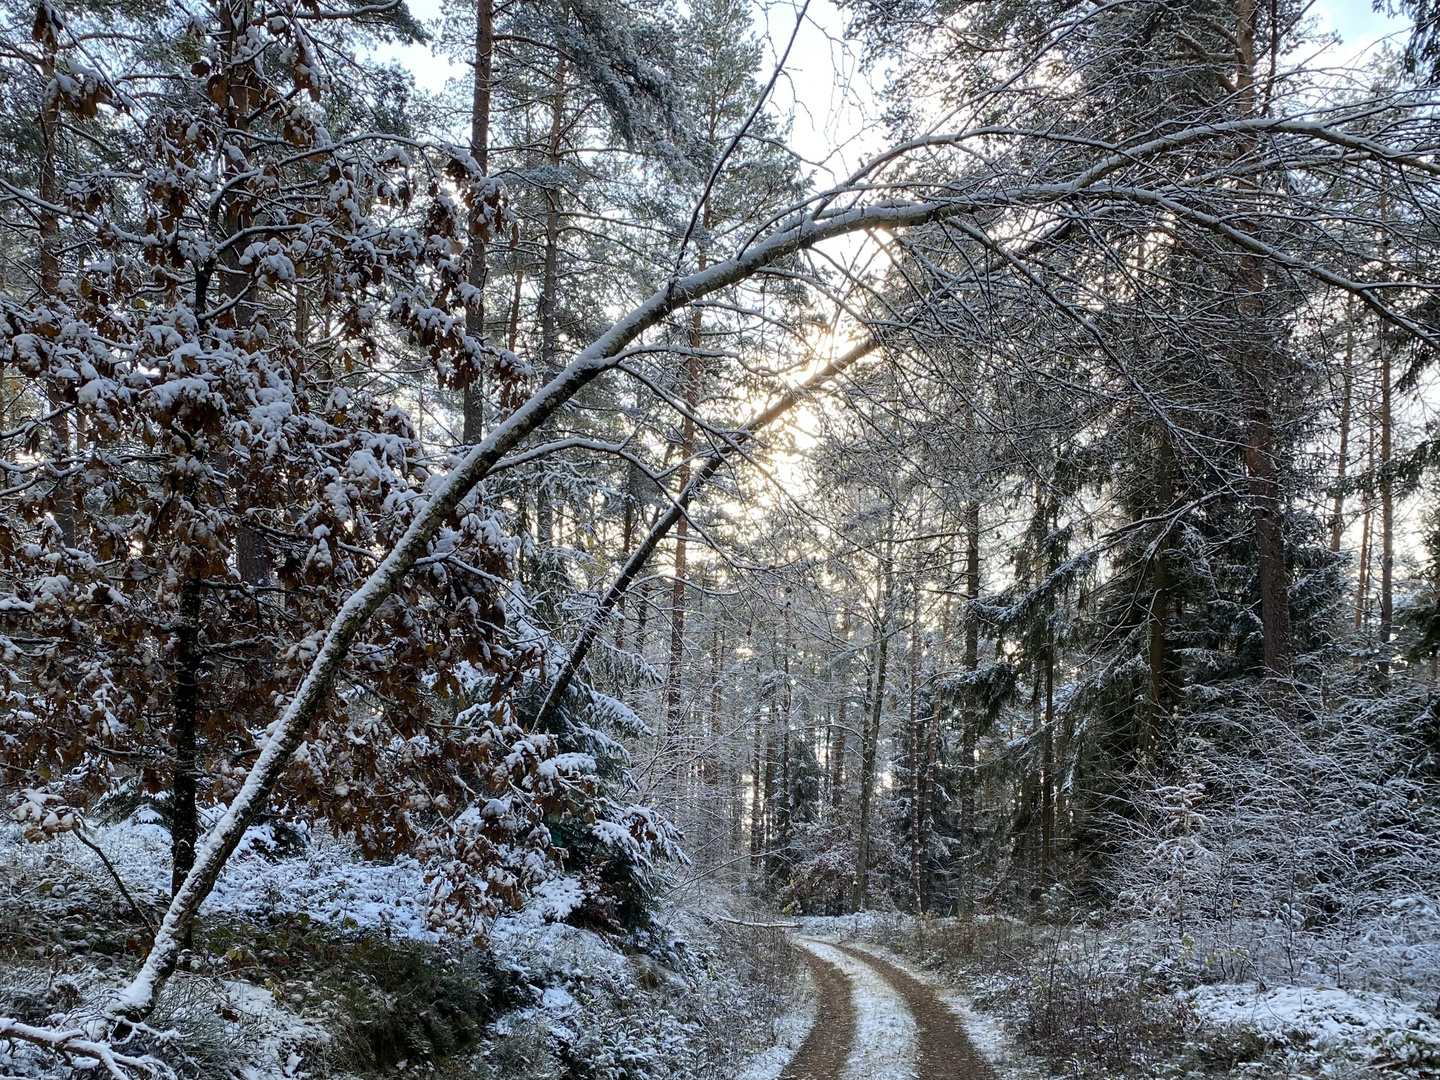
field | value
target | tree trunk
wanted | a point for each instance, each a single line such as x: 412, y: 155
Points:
x: 62, y: 497
x: 484, y: 64
x: 757, y: 809
x: 1362, y: 583
x: 184, y: 815
x: 786, y: 723
x: 1387, y: 502
x: 682, y: 529
x: 627, y: 542
x: 870, y: 739
x: 1160, y: 601
x: 1047, y: 766
x: 1337, y: 514
x: 550, y: 281
x: 1264, y: 483
x: 970, y: 714
x: 771, y: 815
x: 916, y: 756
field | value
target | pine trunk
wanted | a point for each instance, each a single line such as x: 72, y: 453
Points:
x: 477, y: 271
x: 1160, y: 602
x: 970, y: 713
x: 1387, y: 501
x: 1260, y: 459
x: 1337, y: 513
x: 870, y: 739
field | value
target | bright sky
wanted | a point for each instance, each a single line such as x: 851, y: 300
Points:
x: 1359, y: 24
x: 832, y: 101
x: 829, y: 112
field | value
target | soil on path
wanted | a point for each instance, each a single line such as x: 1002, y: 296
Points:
x: 945, y: 1051
x: 823, y: 1054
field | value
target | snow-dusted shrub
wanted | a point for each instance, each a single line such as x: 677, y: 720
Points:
x: 404, y: 1001
x: 1299, y: 838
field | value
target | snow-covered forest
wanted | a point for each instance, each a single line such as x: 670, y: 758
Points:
x: 624, y: 539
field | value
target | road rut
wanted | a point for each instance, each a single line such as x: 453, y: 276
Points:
x: 864, y: 987
x: 945, y: 1051
x: 822, y: 1055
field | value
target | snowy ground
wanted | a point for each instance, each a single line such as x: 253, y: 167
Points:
x: 326, y: 883
x: 884, y: 1029
x: 1370, y: 1027
x: 665, y: 1007
x: 789, y: 1032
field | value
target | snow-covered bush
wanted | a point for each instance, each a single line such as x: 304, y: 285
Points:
x: 1301, y: 839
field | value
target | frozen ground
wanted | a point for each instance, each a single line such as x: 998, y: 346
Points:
x: 789, y: 1032
x: 884, y: 1029
x: 671, y: 1004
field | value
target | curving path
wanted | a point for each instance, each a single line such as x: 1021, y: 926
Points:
x: 876, y: 1021
x: 945, y: 1051
x: 822, y: 1055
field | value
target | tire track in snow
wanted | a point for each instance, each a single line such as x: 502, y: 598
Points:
x: 822, y: 1055
x: 945, y: 1050
x: 883, y: 1046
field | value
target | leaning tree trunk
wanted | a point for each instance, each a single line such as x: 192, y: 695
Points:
x: 288, y: 730
x: 595, y: 623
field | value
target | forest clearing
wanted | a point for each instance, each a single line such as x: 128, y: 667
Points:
x: 786, y: 540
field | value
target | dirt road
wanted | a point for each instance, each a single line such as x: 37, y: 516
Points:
x: 876, y: 1021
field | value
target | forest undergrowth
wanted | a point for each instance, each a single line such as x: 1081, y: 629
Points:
x: 1139, y: 998
x: 311, y: 963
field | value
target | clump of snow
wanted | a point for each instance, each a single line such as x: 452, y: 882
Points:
x: 278, y: 1035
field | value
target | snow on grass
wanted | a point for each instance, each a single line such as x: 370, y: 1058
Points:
x: 884, y: 1028
x: 789, y: 1032
x: 1321, y: 1017
x: 328, y: 884
x: 336, y: 892
x: 278, y: 1036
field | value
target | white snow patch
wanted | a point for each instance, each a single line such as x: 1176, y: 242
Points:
x: 789, y: 1032
x: 986, y: 1033
x: 884, y: 1028
x: 1326, y: 1016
